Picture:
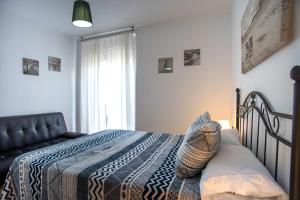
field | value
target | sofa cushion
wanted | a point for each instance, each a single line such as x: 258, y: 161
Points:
x: 18, y: 131
x: 73, y: 135
x: 4, y: 167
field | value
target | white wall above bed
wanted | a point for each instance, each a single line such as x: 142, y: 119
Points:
x: 170, y: 102
x: 50, y: 91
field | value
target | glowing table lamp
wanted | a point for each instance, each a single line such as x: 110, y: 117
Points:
x: 225, y: 124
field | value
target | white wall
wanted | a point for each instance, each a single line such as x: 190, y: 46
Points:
x: 48, y: 92
x: 271, y: 77
x: 170, y: 102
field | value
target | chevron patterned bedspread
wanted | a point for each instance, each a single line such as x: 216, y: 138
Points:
x: 112, y: 164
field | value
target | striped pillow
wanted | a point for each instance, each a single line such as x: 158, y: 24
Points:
x: 198, y: 149
x: 192, y: 130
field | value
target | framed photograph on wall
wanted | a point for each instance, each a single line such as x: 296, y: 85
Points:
x: 54, y: 64
x: 30, y: 67
x: 165, y: 65
x: 266, y: 27
x: 192, y: 57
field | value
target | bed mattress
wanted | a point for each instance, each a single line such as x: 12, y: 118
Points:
x: 112, y: 164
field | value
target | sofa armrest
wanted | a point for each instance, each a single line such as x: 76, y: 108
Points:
x: 72, y: 135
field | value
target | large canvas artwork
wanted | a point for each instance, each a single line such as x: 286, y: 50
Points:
x: 266, y: 27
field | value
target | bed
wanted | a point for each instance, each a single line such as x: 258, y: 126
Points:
x: 112, y: 164
x: 122, y: 164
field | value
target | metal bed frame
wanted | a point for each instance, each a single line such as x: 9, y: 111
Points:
x: 255, y: 104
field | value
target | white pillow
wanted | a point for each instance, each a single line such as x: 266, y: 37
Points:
x: 230, y: 136
x: 235, y: 169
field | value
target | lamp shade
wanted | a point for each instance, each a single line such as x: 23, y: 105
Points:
x: 82, y: 16
x: 225, y: 124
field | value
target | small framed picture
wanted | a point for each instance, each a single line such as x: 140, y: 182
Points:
x: 54, y: 64
x: 30, y: 67
x: 192, y: 57
x: 165, y: 65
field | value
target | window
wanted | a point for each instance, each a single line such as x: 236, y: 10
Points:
x: 107, y: 83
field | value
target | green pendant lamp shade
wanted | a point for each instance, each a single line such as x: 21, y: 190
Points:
x: 82, y: 16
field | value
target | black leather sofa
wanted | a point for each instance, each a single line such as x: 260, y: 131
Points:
x: 21, y: 134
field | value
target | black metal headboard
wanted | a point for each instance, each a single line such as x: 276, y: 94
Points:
x: 255, y: 102
x: 255, y: 117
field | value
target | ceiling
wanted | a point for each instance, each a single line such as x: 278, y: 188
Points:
x: 113, y: 14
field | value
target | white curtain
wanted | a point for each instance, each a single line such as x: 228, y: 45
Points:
x: 107, y: 83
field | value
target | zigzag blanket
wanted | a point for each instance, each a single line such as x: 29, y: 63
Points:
x: 112, y: 164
